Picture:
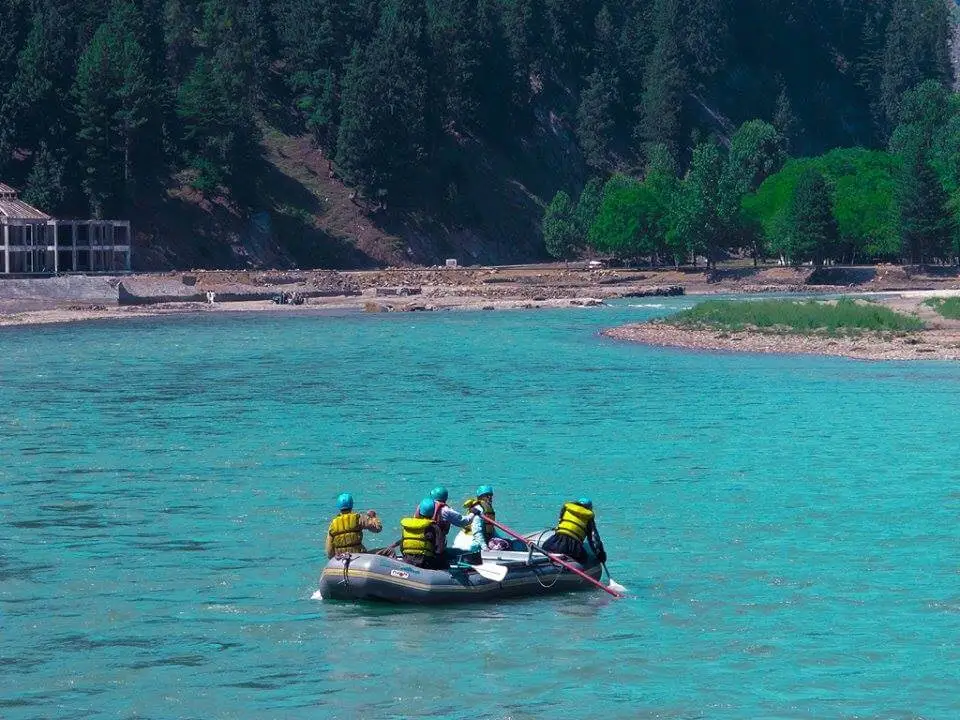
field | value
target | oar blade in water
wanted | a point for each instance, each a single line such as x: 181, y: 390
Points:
x: 613, y: 584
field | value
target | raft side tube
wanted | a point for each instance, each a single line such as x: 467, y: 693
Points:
x: 375, y: 577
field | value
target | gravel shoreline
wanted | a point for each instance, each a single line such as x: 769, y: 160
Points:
x: 80, y: 299
x: 931, y: 344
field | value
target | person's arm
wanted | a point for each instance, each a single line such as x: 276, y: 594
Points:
x: 596, y: 544
x: 371, y: 522
x: 448, y: 514
x: 476, y: 529
x: 328, y: 546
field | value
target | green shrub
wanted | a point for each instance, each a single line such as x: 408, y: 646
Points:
x: 948, y: 307
x: 845, y: 316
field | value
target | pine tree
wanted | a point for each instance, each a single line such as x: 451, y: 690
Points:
x: 525, y: 32
x: 665, y: 81
x: 812, y: 227
x: 595, y: 119
x: 45, y: 183
x: 471, y: 62
x: 560, y: 231
x: 219, y: 135
x: 588, y: 206
x: 698, y: 212
x: 707, y: 37
x: 312, y: 35
x: 785, y: 120
x: 113, y: 102
x: 44, y: 71
x: 926, y: 224
x: 914, y: 50
x: 383, y: 133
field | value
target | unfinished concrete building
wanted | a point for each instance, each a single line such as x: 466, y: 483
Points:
x: 36, y: 244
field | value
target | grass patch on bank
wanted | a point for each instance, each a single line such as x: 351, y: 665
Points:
x: 947, y: 307
x: 844, y: 317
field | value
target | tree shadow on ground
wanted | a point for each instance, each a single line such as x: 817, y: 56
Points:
x: 841, y: 276
x: 294, y: 210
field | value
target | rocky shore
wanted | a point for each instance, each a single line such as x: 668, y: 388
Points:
x: 78, y: 298
x: 939, y: 340
x: 65, y: 299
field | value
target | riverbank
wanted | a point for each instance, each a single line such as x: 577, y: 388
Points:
x: 80, y: 298
x: 938, y: 340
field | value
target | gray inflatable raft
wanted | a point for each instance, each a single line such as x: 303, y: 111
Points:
x: 375, y: 577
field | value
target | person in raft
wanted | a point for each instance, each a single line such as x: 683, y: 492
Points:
x: 444, y: 515
x: 345, y: 534
x: 481, y: 534
x: 422, y: 542
x: 577, y: 523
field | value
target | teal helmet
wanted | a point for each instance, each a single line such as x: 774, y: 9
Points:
x: 484, y: 490
x: 585, y: 502
x: 439, y: 493
x: 345, y: 501
x: 426, y: 508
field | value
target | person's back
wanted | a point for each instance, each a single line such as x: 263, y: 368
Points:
x: 421, y: 540
x: 345, y: 533
x: 442, y: 514
x: 577, y: 524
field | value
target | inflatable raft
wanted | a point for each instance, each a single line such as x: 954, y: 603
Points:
x: 375, y: 577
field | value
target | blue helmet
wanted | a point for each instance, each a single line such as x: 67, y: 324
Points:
x: 585, y: 502
x: 345, y: 501
x: 484, y: 490
x: 439, y: 493
x: 426, y: 508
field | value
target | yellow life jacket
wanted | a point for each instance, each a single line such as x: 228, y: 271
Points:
x: 414, y: 540
x: 346, y: 533
x: 574, y: 521
x: 489, y: 530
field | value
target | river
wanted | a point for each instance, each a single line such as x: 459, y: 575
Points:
x: 787, y: 526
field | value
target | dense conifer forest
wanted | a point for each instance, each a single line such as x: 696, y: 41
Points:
x: 654, y: 130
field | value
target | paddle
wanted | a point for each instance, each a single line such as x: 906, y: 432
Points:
x: 553, y: 558
x: 491, y: 571
x: 611, y: 582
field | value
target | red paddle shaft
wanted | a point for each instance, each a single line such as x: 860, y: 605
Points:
x: 553, y: 558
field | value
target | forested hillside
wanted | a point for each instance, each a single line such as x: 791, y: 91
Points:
x: 350, y: 132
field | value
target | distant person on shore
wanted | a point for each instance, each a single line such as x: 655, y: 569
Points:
x: 421, y: 540
x: 577, y: 524
x: 345, y: 534
x: 444, y: 515
x: 481, y: 535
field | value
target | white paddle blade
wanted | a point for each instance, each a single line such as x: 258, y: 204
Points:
x: 615, y: 586
x: 491, y: 571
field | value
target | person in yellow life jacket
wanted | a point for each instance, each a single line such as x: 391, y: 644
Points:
x: 345, y: 534
x: 577, y: 524
x: 482, y: 534
x: 444, y: 515
x: 422, y: 542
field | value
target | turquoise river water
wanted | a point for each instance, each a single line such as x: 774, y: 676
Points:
x: 788, y: 527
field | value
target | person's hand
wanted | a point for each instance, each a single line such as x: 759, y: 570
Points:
x: 602, y: 556
x: 476, y: 510
x: 371, y: 513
